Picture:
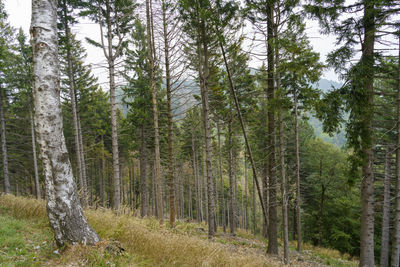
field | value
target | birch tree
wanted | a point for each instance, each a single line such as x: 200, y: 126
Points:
x: 63, y: 207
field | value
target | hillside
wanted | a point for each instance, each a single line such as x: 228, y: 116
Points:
x: 26, y: 240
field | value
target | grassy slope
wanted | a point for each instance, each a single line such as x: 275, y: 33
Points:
x: 25, y: 233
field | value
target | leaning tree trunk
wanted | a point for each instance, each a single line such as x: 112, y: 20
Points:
x: 63, y: 207
x: 157, y: 163
x: 35, y: 164
x: 396, y: 224
x: 386, y: 211
x: 7, y: 187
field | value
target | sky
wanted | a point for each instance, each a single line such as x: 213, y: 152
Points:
x: 19, y: 12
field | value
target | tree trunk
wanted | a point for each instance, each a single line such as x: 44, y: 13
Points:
x: 321, y: 204
x: 221, y: 178
x: 272, y: 211
x: 239, y: 113
x: 171, y: 171
x: 207, y: 133
x: 254, y: 209
x: 157, y: 163
x: 143, y: 174
x: 285, y: 219
x: 396, y: 225
x: 35, y: 164
x: 83, y: 162
x: 73, y: 103
x: 386, y: 211
x: 231, y: 186
x: 367, y: 184
x: 298, y: 197
x: 7, y: 187
x: 63, y: 207
x: 102, y: 174
x: 114, y: 131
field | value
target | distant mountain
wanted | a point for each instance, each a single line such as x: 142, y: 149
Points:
x: 338, y: 139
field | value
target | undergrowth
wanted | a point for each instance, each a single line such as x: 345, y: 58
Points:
x: 147, y: 243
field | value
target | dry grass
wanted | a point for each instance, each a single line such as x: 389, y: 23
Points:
x: 148, y: 243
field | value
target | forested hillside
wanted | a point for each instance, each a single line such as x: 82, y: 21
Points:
x: 181, y: 145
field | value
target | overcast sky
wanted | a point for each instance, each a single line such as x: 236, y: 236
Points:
x: 19, y: 12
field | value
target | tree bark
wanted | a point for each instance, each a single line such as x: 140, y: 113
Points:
x: 63, y: 207
x: 395, y: 260
x: 221, y: 178
x: 73, y: 103
x: 83, y: 162
x: 157, y: 163
x: 143, y: 175
x: 367, y: 183
x: 321, y: 204
x: 231, y: 186
x: 207, y: 132
x: 35, y: 164
x: 171, y: 170
x: 386, y: 211
x: 272, y: 211
x: 298, y: 197
x: 7, y: 186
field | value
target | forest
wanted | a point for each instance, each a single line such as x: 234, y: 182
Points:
x: 210, y: 114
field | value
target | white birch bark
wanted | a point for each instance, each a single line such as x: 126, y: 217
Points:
x: 63, y: 208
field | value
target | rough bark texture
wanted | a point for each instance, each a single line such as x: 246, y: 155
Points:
x: 395, y: 260
x: 35, y: 164
x: 386, y: 212
x: 157, y: 163
x: 7, y: 187
x: 207, y: 133
x: 367, y: 183
x: 63, y: 207
x: 298, y: 196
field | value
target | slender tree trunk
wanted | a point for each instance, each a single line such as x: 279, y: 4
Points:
x: 83, y: 161
x: 73, y: 103
x: 157, y: 163
x: 204, y: 183
x: 254, y: 209
x: 196, y: 181
x: 395, y: 261
x: 367, y: 184
x: 321, y: 204
x: 285, y: 219
x: 111, y: 56
x: 103, y: 173
x: 207, y: 133
x: 246, y: 208
x: 386, y: 212
x: 35, y: 164
x: 239, y: 113
x: 63, y: 207
x: 143, y: 174
x: 231, y: 186
x: 7, y: 187
x: 272, y: 211
x: 221, y: 178
x: 171, y: 171
x: 298, y: 197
